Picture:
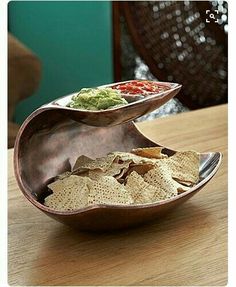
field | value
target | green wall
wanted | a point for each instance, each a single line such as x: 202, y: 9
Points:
x: 73, y: 39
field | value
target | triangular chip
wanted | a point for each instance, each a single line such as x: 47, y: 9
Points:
x: 81, y: 161
x: 185, y: 167
x: 127, y: 156
x: 150, y: 152
x: 141, y: 191
x: 69, y: 193
x: 161, y: 178
x: 107, y: 190
x: 114, y: 170
x: 102, y: 163
x: 140, y: 168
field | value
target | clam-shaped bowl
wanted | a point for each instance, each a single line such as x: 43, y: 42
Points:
x: 48, y: 144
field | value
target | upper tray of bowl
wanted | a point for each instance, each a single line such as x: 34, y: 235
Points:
x: 138, y: 105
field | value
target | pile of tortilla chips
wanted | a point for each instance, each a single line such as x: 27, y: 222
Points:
x: 144, y: 175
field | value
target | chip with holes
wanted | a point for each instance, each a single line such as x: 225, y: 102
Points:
x: 127, y: 156
x: 69, y: 193
x: 141, y: 191
x: 81, y: 161
x: 121, y: 178
x: 140, y: 168
x: 85, y: 163
x: 114, y: 170
x: 161, y: 177
x: 107, y: 190
x: 185, y: 167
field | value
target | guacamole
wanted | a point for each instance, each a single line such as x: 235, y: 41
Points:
x: 97, y: 99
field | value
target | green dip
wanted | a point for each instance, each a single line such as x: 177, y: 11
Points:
x: 97, y: 99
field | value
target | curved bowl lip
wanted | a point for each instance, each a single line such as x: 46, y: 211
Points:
x: 55, y: 105
x: 124, y: 207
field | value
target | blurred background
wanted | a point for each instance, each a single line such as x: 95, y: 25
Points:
x: 58, y: 47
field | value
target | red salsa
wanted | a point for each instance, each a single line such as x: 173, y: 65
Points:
x: 141, y: 87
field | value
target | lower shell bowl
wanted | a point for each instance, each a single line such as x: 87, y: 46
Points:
x: 48, y: 144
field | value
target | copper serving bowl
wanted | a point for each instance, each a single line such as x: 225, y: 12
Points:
x: 48, y: 143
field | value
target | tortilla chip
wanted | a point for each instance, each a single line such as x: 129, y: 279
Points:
x: 141, y: 191
x: 161, y: 178
x: 185, y: 167
x: 107, y: 190
x: 102, y: 163
x: 69, y: 193
x: 81, y: 161
x: 114, y: 170
x: 127, y: 156
x: 143, y: 176
x: 150, y: 152
x: 140, y: 168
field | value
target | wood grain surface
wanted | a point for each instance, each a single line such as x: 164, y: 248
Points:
x: 187, y: 247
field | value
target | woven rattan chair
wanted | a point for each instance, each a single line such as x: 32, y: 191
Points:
x: 178, y: 45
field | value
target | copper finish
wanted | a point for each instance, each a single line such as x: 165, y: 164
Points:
x: 50, y: 140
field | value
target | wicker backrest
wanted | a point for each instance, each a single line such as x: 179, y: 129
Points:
x: 177, y: 45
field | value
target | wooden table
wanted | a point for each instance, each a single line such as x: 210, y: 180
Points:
x: 188, y: 247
